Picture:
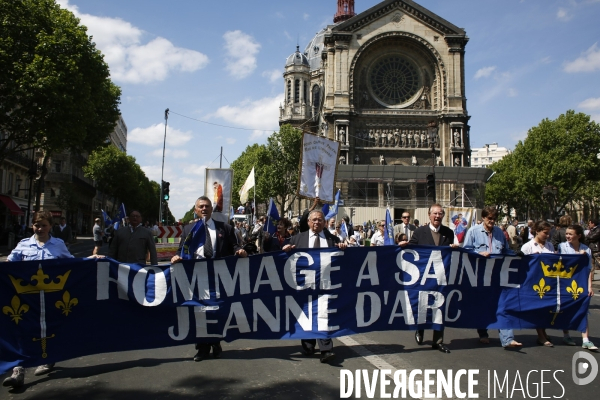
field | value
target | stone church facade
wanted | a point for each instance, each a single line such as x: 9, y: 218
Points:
x: 388, y: 84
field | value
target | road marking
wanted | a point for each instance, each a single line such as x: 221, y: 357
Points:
x: 362, y: 351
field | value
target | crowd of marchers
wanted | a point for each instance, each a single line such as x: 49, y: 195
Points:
x: 135, y: 243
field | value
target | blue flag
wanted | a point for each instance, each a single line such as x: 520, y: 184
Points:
x: 344, y: 229
x: 106, y: 218
x: 193, y: 240
x: 334, y: 209
x: 272, y: 218
x: 388, y: 233
x: 325, y: 209
x: 120, y: 216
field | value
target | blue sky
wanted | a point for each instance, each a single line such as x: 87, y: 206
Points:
x: 222, y: 63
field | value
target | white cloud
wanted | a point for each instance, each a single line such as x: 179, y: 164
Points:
x: 154, y: 135
x: 563, y: 14
x: 230, y: 140
x: 512, y: 92
x: 261, y: 115
x: 130, y: 60
x: 195, y: 169
x: 588, y: 62
x: 306, y: 16
x: 273, y: 75
x: 484, y: 72
x: 241, y: 53
x: 175, y: 154
x: 590, y: 104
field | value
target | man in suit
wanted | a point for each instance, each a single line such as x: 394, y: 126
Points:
x: 316, y: 237
x: 220, y: 242
x: 405, y: 227
x: 434, y: 234
x: 63, y: 231
x: 132, y: 243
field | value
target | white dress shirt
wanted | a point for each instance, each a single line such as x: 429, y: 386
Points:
x: 213, y: 238
x: 311, y: 239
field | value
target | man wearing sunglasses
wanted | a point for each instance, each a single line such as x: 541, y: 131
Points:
x: 405, y: 227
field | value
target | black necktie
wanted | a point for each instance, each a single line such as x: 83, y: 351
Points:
x: 208, y: 247
x: 317, y: 242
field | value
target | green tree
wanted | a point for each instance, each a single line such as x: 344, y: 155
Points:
x: 257, y: 157
x: 275, y: 168
x: 284, y: 148
x: 56, y: 90
x: 550, y: 168
x: 118, y: 175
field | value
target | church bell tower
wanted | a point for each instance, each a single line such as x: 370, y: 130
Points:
x: 345, y: 11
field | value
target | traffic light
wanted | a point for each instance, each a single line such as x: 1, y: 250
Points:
x: 166, y: 190
x: 352, y: 212
x: 431, y: 187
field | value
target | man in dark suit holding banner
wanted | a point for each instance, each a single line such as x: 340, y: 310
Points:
x: 207, y: 238
x: 433, y: 234
x: 316, y: 238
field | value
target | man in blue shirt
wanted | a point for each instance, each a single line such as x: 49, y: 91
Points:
x: 487, y: 239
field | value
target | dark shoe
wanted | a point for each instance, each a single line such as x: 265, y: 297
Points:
x: 441, y: 347
x: 308, y: 351
x: 326, y: 356
x: 419, y: 337
x: 201, y: 355
x: 217, y: 350
x: 16, y: 379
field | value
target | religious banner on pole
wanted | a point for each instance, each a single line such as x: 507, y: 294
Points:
x: 459, y: 220
x: 318, y: 167
x: 218, y: 187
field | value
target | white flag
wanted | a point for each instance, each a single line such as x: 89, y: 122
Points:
x: 247, y: 186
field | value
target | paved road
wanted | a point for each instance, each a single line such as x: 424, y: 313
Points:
x: 277, y: 369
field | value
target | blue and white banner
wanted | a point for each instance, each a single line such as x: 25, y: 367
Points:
x: 54, y: 310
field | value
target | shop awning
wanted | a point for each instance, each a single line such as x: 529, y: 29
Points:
x: 11, y: 205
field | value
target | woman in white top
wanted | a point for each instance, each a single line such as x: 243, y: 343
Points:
x: 540, y: 244
x: 377, y: 239
x: 573, y: 245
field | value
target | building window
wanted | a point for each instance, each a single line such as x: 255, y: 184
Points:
x: 57, y: 166
x: 9, y: 187
x: 289, y: 91
x: 394, y: 80
x: 297, y: 91
x: 316, y: 98
x: 305, y: 91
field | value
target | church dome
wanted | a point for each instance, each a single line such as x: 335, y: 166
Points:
x: 313, y: 50
x: 297, y: 59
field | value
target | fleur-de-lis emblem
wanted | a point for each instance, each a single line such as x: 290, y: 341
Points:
x: 575, y: 290
x: 67, y: 303
x: 16, y: 310
x: 541, y: 288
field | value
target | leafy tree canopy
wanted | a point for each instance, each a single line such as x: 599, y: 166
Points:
x: 275, y: 167
x: 554, y: 165
x: 55, y: 89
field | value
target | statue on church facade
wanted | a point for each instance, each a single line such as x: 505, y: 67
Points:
x: 342, y: 135
x: 456, y: 138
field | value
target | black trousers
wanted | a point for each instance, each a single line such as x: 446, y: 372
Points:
x: 324, y: 344
x: 438, y: 336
